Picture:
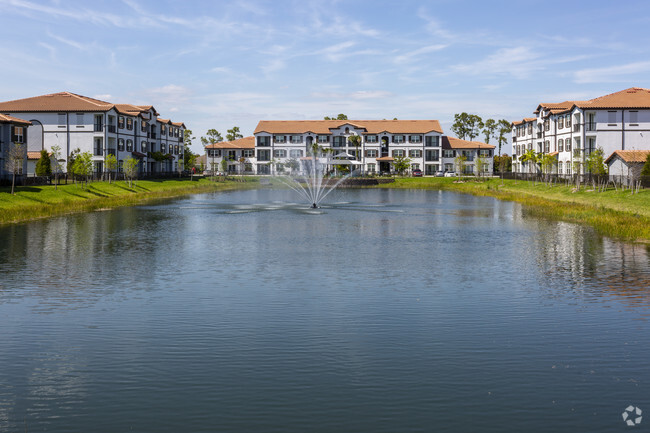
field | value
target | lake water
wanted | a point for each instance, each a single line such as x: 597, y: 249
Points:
x: 385, y: 311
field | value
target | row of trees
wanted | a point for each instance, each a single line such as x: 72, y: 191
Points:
x: 469, y: 126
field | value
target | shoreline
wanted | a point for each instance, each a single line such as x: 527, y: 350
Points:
x: 39, y: 202
x: 617, y: 214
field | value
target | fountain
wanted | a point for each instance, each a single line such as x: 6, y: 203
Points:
x: 312, y: 184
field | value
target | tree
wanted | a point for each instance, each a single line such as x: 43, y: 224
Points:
x: 85, y: 165
x: 488, y: 129
x: 459, y: 162
x: 43, y: 165
x: 478, y: 163
x: 596, y: 165
x: 55, y: 164
x: 529, y: 158
x: 503, y: 128
x: 111, y: 164
x: 131, y: 169
x: 467, y: 125
x: 224, y: 165
x: 548, y: 161
x: 341, y: 116
x: 189, y: 159
x: 233, y: 134
x: 355, y: 140
x: 401, y: 164
x: 14, y: 162
x: 212, y: 136
x: 187, y: 138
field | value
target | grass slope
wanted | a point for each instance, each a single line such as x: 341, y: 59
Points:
x: 618, y: 214
x: 33, y: 202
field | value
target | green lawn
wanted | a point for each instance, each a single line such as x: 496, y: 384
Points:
x: 619, y: 214
x: 32, y: 202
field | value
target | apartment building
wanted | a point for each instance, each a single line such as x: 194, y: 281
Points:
x: 570, y: 130
x: 474, y: 153
x: 72, y: 122
x: 232, y: 152
x: 380, y: 142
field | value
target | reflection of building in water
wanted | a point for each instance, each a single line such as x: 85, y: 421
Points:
x: 586, y: 266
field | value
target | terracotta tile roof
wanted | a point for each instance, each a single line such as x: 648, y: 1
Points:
x: 554, y: 153
x: 33, y: 155
x: 323, y: 127
x: 525, y: 120
x: 179, y: 124
x: 242, y: 143
x: 629, y: 155
x: 5, y: 118
x: 457, y: 143
x: 634, y: 97
x: 62, y: 101
x: 385, y: 158
x: 165, y: 121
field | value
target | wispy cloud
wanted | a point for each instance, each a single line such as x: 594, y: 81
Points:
x: 610, y: 74
x: 403, y: 58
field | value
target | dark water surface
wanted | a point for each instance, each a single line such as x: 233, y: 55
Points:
x: 388, y: 311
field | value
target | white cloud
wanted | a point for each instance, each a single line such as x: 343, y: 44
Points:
x: 403, y: 58
x: 616, y: 73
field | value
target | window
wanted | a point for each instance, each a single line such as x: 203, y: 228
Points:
x: 567, y: 122
x: 143, y: 126
x: 215, y: 153
x: 248, y: 153
x: 415, y: 166
x: 296, y: 139
x: 338, y: 141
x: 232, y: 155
x: 371, y: 153
x: 129, y: 124
x: 415, y: 138
x: 485, y: 153
x: 415, y: 153
x: 295, y: 153
x: 279, y: 138
x: 431, y: 155
x: 62, y: 120
x: 530, y: 129
x: 120, y: 166
x: 18, y: 134
x: 449, y: 167
x: 120, y: 122
x: 634, y: 118
x: 432, y: 141
x: 559, y: 167
x: 264, y: 141
x: 567, y: 165
x: 323, y: 139
x: 120, y: 144
x: 163, y: 147
x: 144, y: 146
x: 611, y: 118
x: 547, y: 146
x: 163, y: 129
x: 560, y: 145
x: 129, y: 145
x: 279, y: 153
x: 398, y: 139
x: 448, y: 153
x: 371, y: 167
x: 371, y: 138
x: 398, y: 153
x: 263, y: 155
x: 547, y: 125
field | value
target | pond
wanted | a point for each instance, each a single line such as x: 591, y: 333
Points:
x: 383, y: 311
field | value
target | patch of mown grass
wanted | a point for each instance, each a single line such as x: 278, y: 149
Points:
x: 618, y: 214
x: 34, y: 202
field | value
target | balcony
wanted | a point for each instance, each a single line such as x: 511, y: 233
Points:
x: 111, y: 128
x: 99, y: 151
x: 576, y: 127
x: 514, y: 139
x: 153, y: 135
x: 539, y: 135
x: 98, y: 127
x: 590, y: 126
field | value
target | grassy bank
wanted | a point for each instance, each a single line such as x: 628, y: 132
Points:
x: 618, y: 214
x: 33, y: 202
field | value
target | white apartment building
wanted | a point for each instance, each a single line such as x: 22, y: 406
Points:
x: 279, y: 141
x: 475, y: 152
x: 570, y: 130
x: 12, y: 130
x: 72, y: 122
x: 233, y: 152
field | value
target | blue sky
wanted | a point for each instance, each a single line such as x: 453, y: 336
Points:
x: 216, y: 64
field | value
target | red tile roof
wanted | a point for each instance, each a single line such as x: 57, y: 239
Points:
x: 324, y: 127
x: 629, y: 155
x: 62, y: 101
x: 5, y: 118
x: 457, y: 143
x: 242, y: 143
